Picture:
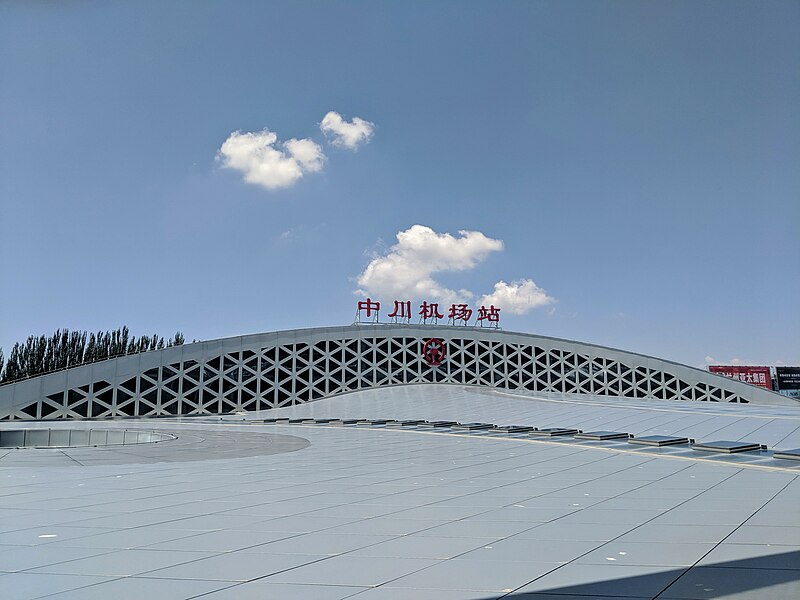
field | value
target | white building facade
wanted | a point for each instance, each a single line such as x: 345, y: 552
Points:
x: 271, y: 370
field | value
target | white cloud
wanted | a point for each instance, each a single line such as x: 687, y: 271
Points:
x: 256, y: 156
x: 307, y: 153
x: 348, y: 135
x: 407, y: 270
x: 517, y: 297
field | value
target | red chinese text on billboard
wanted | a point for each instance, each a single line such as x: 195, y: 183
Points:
x: 758, y: 376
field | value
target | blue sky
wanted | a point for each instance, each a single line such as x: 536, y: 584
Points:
x: 637, y: 162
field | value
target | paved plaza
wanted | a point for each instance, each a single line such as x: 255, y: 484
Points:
x: 236, y: 508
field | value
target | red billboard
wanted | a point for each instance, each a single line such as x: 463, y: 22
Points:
x: 753, y: 375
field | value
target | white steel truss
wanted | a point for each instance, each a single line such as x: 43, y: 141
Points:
x: 269, y: 376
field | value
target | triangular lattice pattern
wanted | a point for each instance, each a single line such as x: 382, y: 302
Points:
x: 282, y: 375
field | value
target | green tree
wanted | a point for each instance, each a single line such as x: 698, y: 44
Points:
x: 65, y: 348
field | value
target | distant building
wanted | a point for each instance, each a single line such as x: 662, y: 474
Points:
x: 784, y: 380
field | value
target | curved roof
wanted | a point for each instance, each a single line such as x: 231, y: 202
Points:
x: 381, y: 511
x: 269, y: 370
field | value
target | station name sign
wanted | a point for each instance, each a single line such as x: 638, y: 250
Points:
x: 429, y: 313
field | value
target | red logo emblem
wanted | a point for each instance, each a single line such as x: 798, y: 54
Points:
x: 434, y: 351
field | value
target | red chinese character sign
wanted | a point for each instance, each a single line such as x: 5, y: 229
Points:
x: 429, y: 313
x: 491, y: 316
x: 402, y: 312
x: 370, y: 307
x: 459, y: 314
x: 434, y: 352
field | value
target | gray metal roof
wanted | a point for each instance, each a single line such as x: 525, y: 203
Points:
x: 237, y: 508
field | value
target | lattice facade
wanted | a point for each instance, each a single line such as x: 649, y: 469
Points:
x: 269, y: 375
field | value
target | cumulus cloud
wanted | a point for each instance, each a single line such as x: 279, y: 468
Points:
x: 407, y: 269
x: 266, y: 162
x: 307, y: 153
x: 346, y: 134
x: 517, y: 297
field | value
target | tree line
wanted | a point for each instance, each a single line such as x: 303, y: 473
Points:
x: 67, y: 348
